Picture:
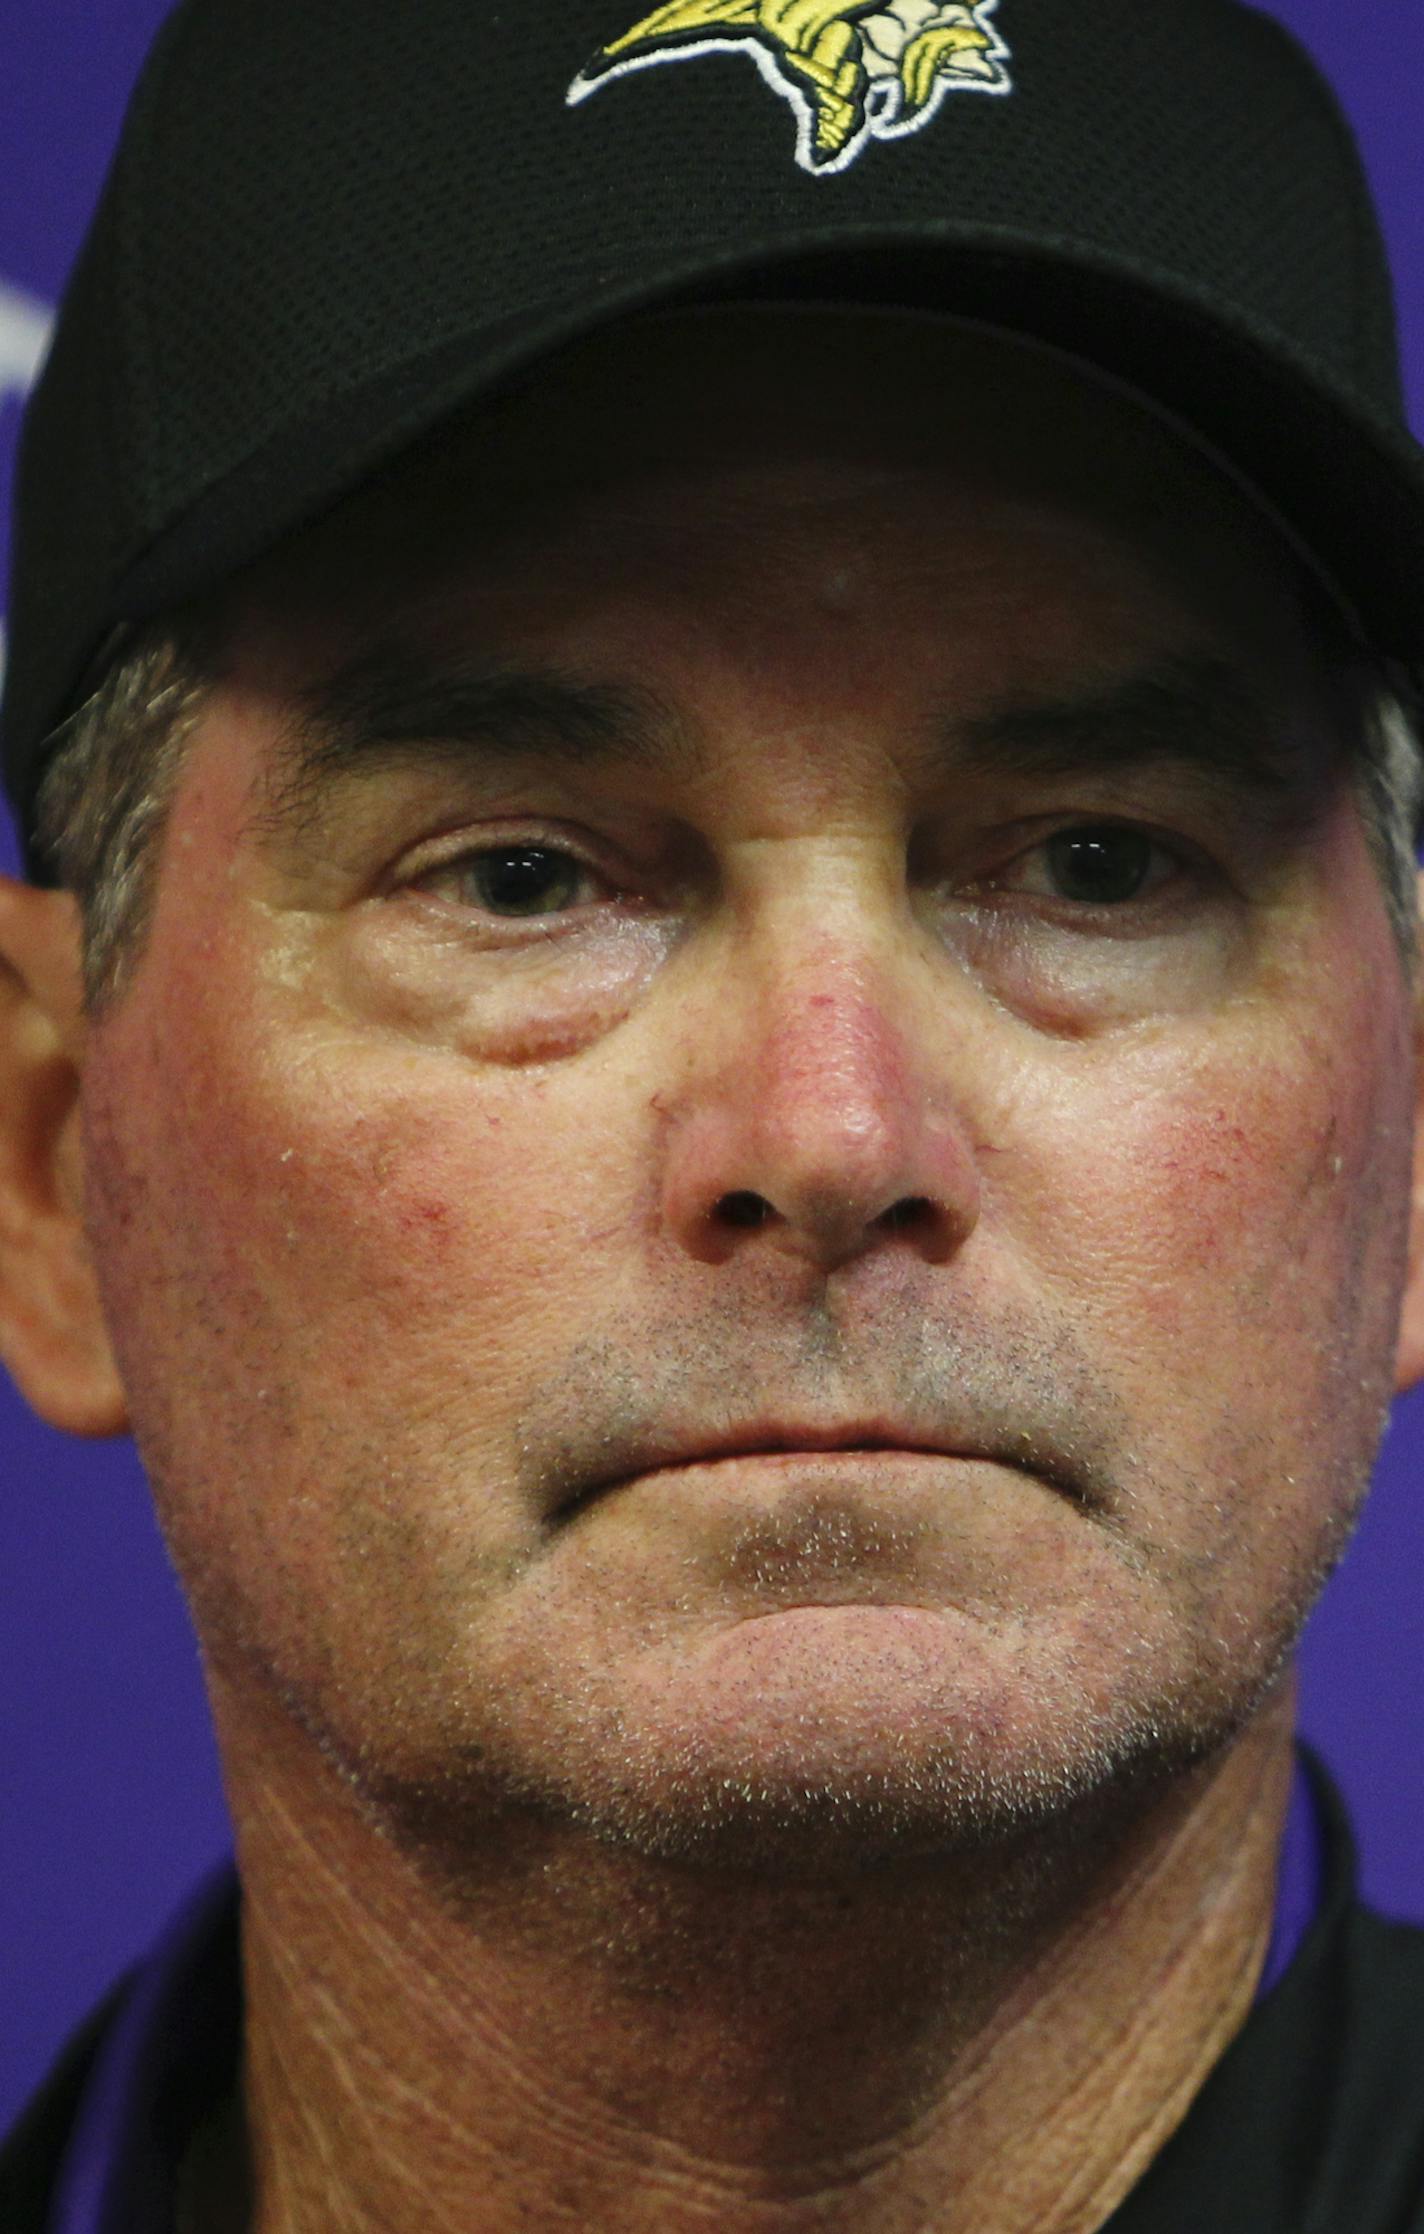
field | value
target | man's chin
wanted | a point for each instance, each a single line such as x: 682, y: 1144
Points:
x: 821, y: 1740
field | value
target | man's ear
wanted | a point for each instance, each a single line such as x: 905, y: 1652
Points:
x: 1409, y: 1365
x: 52, y: 1331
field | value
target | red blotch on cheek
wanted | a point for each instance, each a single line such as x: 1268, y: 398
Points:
x: 425, y: 1221
x: 1202, y: 1155
x: 1235, y: 1199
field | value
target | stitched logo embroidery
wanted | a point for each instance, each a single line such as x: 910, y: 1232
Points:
x: 852, y: 74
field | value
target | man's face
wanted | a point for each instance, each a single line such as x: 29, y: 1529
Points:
x: 793, y: 887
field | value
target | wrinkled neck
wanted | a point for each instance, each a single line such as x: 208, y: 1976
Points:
x: 580, y: 2039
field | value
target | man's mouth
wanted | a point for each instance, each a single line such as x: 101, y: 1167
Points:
x: 680, y: 1451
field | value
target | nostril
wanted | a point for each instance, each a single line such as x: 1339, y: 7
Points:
x: 743, y: 1209
x: 910, y: 1210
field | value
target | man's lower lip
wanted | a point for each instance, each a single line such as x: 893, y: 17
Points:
x: 837, y: 1460
x: 853, y: 1463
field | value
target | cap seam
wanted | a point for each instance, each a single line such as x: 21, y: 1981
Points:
x: 135, y: 323
x: 1362, y: 237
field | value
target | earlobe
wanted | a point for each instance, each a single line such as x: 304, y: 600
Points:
x: 1409, y: 1364
x: 52, y: 1332
x: 1409, y: 1357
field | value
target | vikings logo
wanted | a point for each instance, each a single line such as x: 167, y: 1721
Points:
x: 852, y: 74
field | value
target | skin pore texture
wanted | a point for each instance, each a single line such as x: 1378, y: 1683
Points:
x: 751, y: 1387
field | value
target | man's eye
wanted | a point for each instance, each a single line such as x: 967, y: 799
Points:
x: 1103, y: 864
x: 519, y: 880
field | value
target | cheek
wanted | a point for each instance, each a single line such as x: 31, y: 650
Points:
x: 331, y: 1270
x: 1221, y: 1182
x: 1242, y: 1213
x: 335, y: 1203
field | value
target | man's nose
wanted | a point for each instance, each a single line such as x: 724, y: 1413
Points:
x: 812, y: 1124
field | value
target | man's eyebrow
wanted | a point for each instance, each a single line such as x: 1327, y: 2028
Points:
x: 1198, y: 714
x: 398, y: 704
x: 395, y: 705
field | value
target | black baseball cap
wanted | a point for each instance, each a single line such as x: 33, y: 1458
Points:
x: 329, y: 223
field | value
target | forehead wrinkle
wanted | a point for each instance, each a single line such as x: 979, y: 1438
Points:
x: 397, y: 705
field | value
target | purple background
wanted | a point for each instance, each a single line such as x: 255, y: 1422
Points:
x: 110, y: 1802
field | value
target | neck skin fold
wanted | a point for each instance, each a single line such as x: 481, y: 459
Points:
x: 587, y: 2039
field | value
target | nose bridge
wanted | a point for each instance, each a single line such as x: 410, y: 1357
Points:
x: 832, y: 1079
x: 811, y: 1115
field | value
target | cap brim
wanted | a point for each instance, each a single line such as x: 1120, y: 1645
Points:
x: 1345, y: 481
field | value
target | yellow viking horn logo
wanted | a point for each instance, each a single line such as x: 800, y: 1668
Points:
x: 852, y: 74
